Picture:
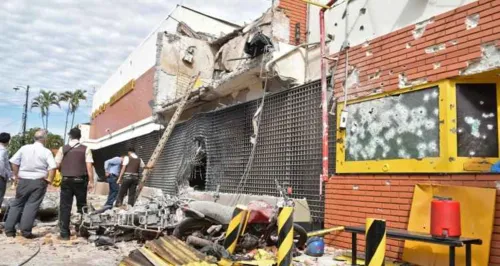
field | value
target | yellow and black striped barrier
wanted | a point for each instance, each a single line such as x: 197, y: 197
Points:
x: 375, y: 242
x: 235, y: 228
x: 285, y: 236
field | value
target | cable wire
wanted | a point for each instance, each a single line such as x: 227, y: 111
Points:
x: 32, y: 256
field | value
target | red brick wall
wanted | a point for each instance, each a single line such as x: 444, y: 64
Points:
x: 132, y: 108
x: 400, y: 53
x: 391, y: 55
x: 350, y: 199
x: 296, y: 10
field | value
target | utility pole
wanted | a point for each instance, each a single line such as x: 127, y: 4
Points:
x: 25, y: 112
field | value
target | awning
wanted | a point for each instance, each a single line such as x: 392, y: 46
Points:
x: 135, y: 130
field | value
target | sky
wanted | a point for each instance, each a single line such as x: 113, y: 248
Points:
x: 62, y: 45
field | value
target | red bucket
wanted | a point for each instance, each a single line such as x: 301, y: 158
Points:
x: 445, y: 218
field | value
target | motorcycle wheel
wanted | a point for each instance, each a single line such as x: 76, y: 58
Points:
x: 299, y: 238
x: 190, y: 225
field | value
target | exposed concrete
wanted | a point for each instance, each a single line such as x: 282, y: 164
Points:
x: 352, y: 79
x: 225, y: 68
x: 472, y: 21
x: 489, y: 60
x: 420, y: 28
x: 405, y: 83
x: 435, y: 48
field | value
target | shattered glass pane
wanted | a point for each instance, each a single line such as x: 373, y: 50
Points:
x: 404, y: 126
x: 477, y: 122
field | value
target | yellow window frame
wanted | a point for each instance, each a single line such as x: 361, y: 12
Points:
x: 448, y: 161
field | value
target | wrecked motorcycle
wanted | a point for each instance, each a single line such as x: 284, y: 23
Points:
x: 146, y: 221
x: 207, y: 221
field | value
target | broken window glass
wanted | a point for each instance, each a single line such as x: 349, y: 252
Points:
x: 404, y: 126
x: 477, y: 123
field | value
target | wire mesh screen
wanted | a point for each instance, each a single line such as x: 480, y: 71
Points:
x: 288, y: 148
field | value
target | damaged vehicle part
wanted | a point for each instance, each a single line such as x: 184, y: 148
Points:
x: 143, y: 221
x: 261, y: 228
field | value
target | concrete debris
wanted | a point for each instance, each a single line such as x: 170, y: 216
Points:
x: 420, y: 28
x: 472, y: 21
x: 435, y: 48
x: 405, y: 83
x: 489, y: 60
x: 151, y: 215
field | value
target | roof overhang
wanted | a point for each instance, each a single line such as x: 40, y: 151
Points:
x: 135, y: 130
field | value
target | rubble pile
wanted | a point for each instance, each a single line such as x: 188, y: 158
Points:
x: 148, y: 219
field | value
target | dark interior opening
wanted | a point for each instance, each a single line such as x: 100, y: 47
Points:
x: 199, y: 169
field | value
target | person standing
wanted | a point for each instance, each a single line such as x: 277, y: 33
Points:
x: 112, y: 169
x: 5, y: 170
x: 76, y: 165
x: 34, y: 168
x: 129, y: 177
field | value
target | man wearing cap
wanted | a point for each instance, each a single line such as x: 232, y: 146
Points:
x: 33, y: 166
x: 5, y: 171
x: 76, y: 165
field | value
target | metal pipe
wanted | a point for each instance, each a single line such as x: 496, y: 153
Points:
x: 324, y: 94
x: 346, y: 47
x: 272, y: 62
x: 198, y: 242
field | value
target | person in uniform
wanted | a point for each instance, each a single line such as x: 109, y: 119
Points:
x: 76, y: 165
x: 129, y: 177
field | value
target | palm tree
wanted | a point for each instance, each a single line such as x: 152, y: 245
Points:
x: 43, y: 101
x: 66, y: 97
x: 74, y: 103
x: 73, y: 99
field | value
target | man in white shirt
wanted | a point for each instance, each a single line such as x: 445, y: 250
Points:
x: 129, y: 177
x: 34, y: 168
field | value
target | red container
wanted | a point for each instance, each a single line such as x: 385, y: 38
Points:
x: 445, y: 218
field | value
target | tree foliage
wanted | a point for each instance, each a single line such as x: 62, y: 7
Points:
x: 73, y: 98
x: 53, y: 141
x: 43, y: 101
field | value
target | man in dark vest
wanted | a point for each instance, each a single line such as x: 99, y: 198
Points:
x: 76, y: 165
x: 129, y: 177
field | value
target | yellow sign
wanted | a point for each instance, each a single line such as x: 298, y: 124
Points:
x: 115, y: 98
x: 122, y: 92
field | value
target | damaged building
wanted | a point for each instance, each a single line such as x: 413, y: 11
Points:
x: 413, y: 100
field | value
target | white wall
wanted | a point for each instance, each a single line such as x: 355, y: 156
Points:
x: 144, y: 56
x: 85, y: 129
x: 381, y: 17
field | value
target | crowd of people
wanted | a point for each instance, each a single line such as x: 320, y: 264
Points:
x: 33, y: 167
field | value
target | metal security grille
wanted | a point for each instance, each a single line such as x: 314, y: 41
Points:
x: 288, y: 149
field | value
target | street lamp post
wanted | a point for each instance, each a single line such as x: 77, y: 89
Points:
x: 25, y: 111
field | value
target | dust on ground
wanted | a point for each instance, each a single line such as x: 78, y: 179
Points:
x: 77, y: 251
